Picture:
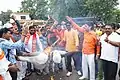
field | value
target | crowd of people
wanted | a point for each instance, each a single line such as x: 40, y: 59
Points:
x: 93, y: 48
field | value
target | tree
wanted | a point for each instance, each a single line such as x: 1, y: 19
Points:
x: 41, y: 9
x: 61, y: 8
x: 36, y: 8
x: 116, y: 16
x: 5, y: 16
x: 101, y: 8
x: 28, y: 7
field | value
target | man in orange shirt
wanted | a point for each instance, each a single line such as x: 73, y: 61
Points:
x: 89, y: 46
x: 72, y: 43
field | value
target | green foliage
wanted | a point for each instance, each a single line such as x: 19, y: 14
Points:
x: 116, y: 16
x: 102, y: 9
x: 62, y: 8
x: 36, y: 8
x: 5, y: 16
x: 41, y: 9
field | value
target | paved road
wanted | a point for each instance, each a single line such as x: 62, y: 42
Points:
x: 56, y: 76
x: 61, y: 75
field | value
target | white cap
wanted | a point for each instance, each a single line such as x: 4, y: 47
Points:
x: 7, y: 25
x: 12, y: 21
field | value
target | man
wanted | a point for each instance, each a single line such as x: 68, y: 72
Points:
x: 60, y: 46
x: 32, y: 44
x: 7, y: 46
x: 110, y: 43
x: 43, y: 38
x: 72, y: 43
x: 4, y: 65
x: 16, y: 35
x: 118, y: 32
x: 15, y: 23
x: 88, y: 49
x: 60, y: 34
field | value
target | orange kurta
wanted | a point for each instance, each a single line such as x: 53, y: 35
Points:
x: 89, y: 43
x: 90, y: 40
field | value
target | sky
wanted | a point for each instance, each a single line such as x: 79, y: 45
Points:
x: 14, y: 5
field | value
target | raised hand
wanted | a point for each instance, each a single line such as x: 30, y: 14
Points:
x: 69, y: 18
x: 25, y: 30
x: 55, y: 22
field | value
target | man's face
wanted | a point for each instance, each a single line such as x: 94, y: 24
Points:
x: 43, y: 32
x: 68, y: 26
x: 32, y: 31
x: 59, y: 28
x: 48, y: 27
x: 108, y: 29
x: 7, y: 35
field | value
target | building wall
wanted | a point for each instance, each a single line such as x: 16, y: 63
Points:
x: 18, y: 16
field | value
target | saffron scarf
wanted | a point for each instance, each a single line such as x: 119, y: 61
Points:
x: 34, y: 41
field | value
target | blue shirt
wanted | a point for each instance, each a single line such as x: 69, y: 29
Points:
x: 5, y: 45
x: 43, y: 41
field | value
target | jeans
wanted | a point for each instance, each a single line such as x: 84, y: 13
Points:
x: 76, y: 59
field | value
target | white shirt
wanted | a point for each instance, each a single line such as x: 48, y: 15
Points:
x: 38, y: 44
x: 108, y: 51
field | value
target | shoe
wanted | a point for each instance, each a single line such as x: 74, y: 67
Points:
x: 82, y: 78
x: 68, y: 74
x: 61, y: 69
x: 28, y: 73
x: 79, y: 73
x: 38, y: 72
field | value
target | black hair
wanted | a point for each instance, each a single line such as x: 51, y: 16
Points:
x: 2, y: 31
x: 117, y: 26
x: 68, y: 23
x: 103, y: 26
x: 58, y: 25
x: 32, y: 27
x: 43, y: 29
x: 112, y: 25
